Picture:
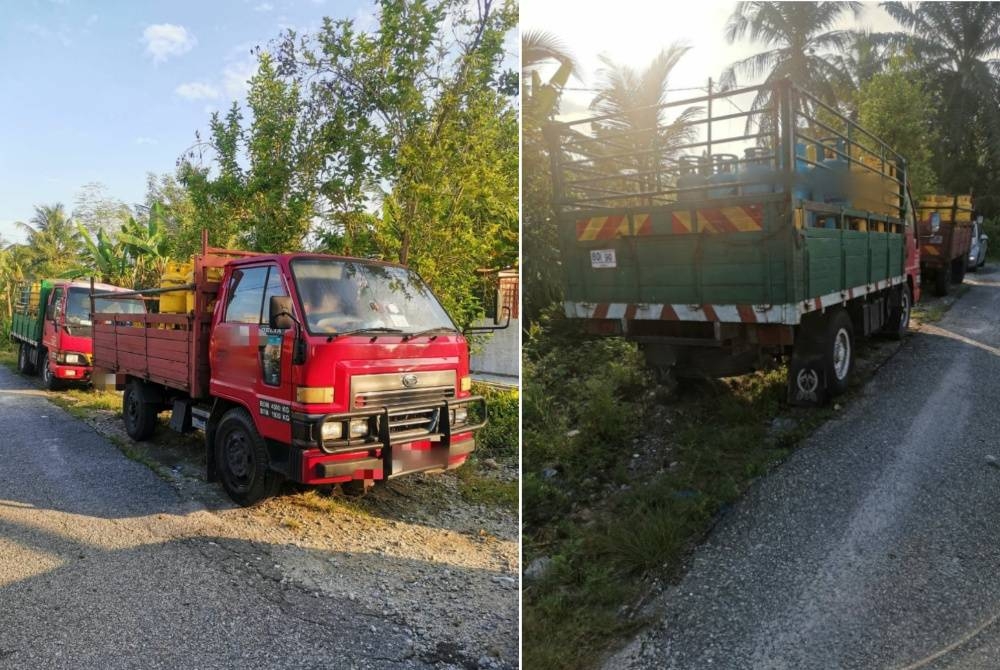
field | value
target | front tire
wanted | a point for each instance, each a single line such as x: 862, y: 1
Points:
x: 49, y: 379
x: 139, y: 412
x: 242, y: 461
x: 838, y: 352
x: 958, y: 270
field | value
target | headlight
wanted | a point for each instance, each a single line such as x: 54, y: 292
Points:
x: 333, y: 430
x: 359, y: 427
x: 73, y: 359
x: 459, y: 415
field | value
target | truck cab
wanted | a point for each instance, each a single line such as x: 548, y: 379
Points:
x: 345, y: 361
x: 54, y: 329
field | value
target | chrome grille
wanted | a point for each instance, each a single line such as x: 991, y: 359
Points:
x: 409, y: 415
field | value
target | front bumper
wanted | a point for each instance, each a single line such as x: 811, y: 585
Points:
x: 70, y: 372
x: 387, y: 451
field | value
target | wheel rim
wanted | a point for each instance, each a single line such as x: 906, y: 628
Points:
x: 841, y: 353
x: 47, y: 373
x: 237, y: 460
x: 22, y: 358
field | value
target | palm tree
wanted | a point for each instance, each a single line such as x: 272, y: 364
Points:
x: 539, y: 49
x: 956, y: 45
x: 802, y: 46
x: 52, y: 238
x: 637, y: 122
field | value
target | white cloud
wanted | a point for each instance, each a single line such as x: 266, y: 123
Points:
x: 236, y: 77
x: 264, y: 7
x: 164, y: 40
x: 196, y: 90
x: 146, y: 140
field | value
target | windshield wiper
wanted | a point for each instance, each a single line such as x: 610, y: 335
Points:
x: 430, y: 331
x: 363, y: 331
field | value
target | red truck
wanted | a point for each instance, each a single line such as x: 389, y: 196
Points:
x: 52, y: 327
x: 313, y: 368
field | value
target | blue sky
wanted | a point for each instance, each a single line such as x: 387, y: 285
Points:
x: 108, y: 91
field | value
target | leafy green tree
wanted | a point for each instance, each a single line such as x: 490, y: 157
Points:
x: 954, y: 44
x: 896, y: 107
x: 261, y: 194
x: 415, y: 115
x: 179, y: 218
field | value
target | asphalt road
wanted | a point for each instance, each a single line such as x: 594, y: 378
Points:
x: 102, y: 565
x: 877, y: 545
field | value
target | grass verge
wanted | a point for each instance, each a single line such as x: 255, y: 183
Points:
x: 620, y: 483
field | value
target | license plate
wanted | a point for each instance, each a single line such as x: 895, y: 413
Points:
x: 936, y: 239
x: 603, y: 258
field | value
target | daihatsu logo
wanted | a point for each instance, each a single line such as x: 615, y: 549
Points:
x: 409, y: 381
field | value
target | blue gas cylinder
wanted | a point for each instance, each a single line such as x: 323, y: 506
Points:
x: 756, y: 173
x: 831, y: 174
x: 724, y: 171
x: 693, y: 173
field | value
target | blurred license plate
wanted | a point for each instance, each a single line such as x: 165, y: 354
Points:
x: 936, y: 239
x: 418, y: 456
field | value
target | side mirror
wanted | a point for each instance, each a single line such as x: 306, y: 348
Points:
x: 279, y: 314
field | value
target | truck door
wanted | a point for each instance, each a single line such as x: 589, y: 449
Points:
x: 53, y: 316
x: 251, y: 363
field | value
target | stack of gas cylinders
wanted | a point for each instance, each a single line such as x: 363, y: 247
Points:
x: 822, y: 174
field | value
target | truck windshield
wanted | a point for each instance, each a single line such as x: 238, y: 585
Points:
x: 78, y: 306
x: 339, y: 296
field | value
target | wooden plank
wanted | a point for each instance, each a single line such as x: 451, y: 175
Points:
x: 169, y: 335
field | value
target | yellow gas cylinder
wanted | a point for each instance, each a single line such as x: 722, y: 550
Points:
x: 175, y: 274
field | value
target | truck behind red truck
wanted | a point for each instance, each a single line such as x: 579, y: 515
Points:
x: 312, y: 368
x: 51, y: 326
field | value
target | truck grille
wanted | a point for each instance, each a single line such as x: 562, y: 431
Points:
x: 413, y: 412
x: 409, y: 414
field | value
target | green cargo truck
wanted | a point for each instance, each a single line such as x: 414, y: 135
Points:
x: 725, y: 240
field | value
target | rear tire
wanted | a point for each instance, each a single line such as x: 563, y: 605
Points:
x: 899, y: 316
x: 942, y: 281
x: 24, y: 364
x: 958, y: 270
x: 838, y: 352
x: 242, y: 461
x: 139, y: 411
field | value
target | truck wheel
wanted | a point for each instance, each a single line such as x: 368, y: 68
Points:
x: 838, y: 351
x: 24, y: 364
x: 242, y: 461
x: 942, y: 280
x: 899, y: 317
x: 958, y: 270
x: 139, y: 412
x: 49, y: 379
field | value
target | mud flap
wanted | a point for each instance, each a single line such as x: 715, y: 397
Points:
x: 807, y: 382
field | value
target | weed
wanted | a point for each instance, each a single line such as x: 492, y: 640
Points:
x: 479, y: 488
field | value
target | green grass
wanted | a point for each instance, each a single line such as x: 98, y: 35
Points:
x: 477, y: 487
x: 637, y: 523
x: 8, y: 357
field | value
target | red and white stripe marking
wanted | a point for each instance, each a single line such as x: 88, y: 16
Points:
x: 787, y: 314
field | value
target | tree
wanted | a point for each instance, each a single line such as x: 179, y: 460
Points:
x: 895, y: 106
x: 262, y: 193
x: 954, y: 44
x: 52, y: 240
x: 415, y: 115
x: 539, y: 49
x: 801, y: 46
x: 96, y: 210
x: 540, y: 102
